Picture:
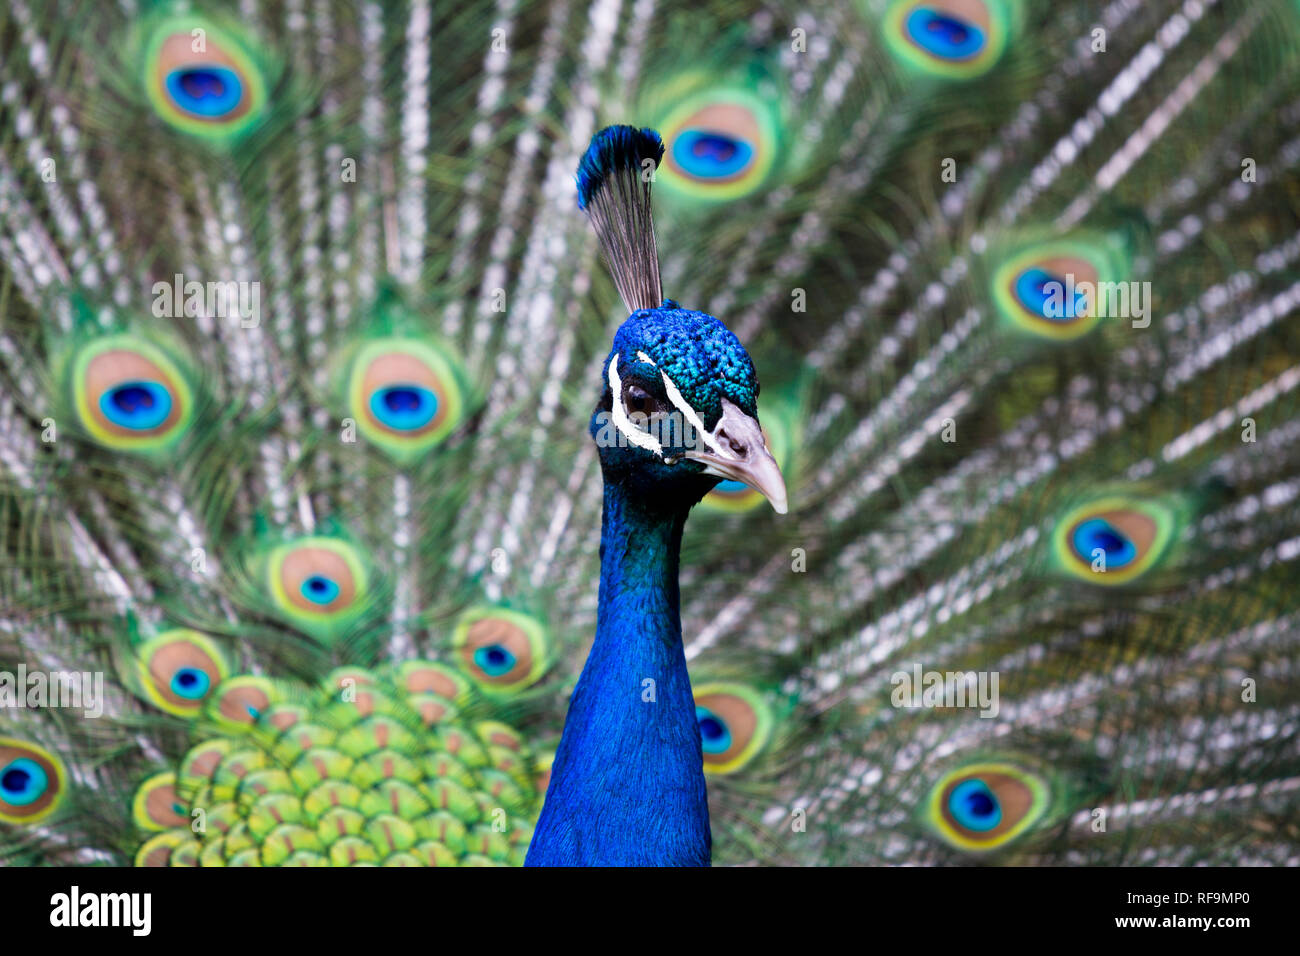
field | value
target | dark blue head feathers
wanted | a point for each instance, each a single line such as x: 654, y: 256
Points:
x: 701, y: 355
x: 615, y: 149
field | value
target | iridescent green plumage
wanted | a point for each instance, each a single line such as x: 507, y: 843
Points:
x: 348, y: 773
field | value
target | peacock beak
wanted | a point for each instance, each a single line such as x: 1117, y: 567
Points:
x: 737, y: 450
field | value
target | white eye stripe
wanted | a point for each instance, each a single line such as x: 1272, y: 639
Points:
x: 675, y: 396
x: 624, y: 424
x: 647, y: 440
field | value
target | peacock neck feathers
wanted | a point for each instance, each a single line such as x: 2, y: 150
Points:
x: 627, y: 786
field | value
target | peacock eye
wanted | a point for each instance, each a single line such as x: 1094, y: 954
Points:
x: 494, y: 659
x: 952, y: 39
x: 319, y: 583
x: 178, y: 669
x: 986, y: 804
x: 502, y: 651
x: 217, y: 91
x: 735, y: 724
x: 407, y: 395
x: 1045, y: 288
x: 722, y: 143
x: 1116, y: 539
x: 638, y: 401
x: 130, y: 395
x: 32, y: 782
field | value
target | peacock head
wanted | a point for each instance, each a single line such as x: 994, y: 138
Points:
x: 679, y: 410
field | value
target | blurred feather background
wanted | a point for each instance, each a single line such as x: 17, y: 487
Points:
x: 325, y: 521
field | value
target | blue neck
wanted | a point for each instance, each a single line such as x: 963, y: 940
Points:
x: 627, y: 785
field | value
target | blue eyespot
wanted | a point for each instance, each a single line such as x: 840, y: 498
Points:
x: 974, y: 806
x: 1033, y: 292
x: 707, y: 154
x: 404, y: 407
x: 319, y: 589
x: 190, y: 683
x: 713, y: 731
x: 943, y: 35
x: 138, y: 405
x: 208, y: 91
x: 729, y: 487
x: 494, y: 659
x: 22, y: 782
x: 1098, y: 533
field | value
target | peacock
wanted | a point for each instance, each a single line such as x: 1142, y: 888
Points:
x: 677, y: 415
x: 314, y: 552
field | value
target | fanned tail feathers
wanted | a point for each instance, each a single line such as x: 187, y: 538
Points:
x: 298, y: 327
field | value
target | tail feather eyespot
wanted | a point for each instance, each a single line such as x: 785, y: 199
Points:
x: 1114, y: 539
x: 33, y: 782
x: 203, y: 80
x: 406, y: 395
x: 722, y: 142
x: 1056, y: 289
x: 502, y: 651
x: 986, y: 805
x: 320, y: 584
x: 948, y: 39
x: 130, y: 395
x: 735, y: 725
x: 179, y: 669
